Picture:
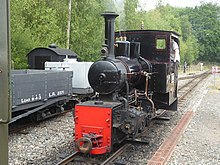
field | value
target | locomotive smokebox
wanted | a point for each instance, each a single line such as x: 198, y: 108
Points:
x: 110, y: 31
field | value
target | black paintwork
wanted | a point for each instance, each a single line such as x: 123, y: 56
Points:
x: 162, y: 66
x: 108, y: 76
x: 109, y: 31
x: 38, y: 56
x: 135, y: 78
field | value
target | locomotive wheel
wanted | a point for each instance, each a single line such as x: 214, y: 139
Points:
x: 84, y: 145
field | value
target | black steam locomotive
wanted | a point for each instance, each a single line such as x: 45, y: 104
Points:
x: 135, y: 78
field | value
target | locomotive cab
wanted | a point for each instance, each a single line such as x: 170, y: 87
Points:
x: 156, y: 47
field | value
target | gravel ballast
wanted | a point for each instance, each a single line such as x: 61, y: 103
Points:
x: 43, y: 144
x: 51, y: 140
x: 200, y: 143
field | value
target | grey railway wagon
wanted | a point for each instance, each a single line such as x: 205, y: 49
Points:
x: 32, y: 89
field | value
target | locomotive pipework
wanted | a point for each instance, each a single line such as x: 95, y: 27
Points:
x: 146, y: 93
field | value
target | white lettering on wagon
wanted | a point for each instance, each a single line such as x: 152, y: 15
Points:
x: 52, y: 94
x: 33, y: 98
x: 25, y: 100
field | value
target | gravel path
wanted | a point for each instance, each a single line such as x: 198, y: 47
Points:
x: 200, y: 144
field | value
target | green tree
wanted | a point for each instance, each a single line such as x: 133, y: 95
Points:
x: 22, y: 40
x: 172, y: 19
x: 87, y: 29
x: 132, y: 17
x: 38, y: 23
x: 206, y: 27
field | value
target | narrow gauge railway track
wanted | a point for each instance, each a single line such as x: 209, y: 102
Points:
x: 111, y: 157
x: 68, y: 159
x: 115, y: 155
x: 19, y: 127
x: 165, y: 150
x: 75, y: 157
x: 126, y: 146
x: 183, y: 92
x: 191, y: 76
x: 100, y: 160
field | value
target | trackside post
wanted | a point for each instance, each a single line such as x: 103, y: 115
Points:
x: 214, y: 71
x: 4, y: 80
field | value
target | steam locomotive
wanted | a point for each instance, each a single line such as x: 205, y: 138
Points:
x: 134, y: 79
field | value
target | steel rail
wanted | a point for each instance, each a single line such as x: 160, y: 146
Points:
x: 116, y: 154
x: 194, y: 75
x: 190, y: 87
x: 164, y: 152
x: 195, y: 78
x: 68, y: 159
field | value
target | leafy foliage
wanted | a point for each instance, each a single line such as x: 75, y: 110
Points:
x: 164, y: 17
x: 42, y: 22
x: 205, y: 20
x: 87, y: 29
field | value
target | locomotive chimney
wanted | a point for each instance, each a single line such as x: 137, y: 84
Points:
x: 110, y: 31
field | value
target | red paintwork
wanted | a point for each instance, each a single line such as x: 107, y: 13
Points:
x: 95, y: 120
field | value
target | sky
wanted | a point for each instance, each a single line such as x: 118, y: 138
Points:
x: 150, y: 4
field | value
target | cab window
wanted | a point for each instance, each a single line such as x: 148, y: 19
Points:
x: 160, y: 43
